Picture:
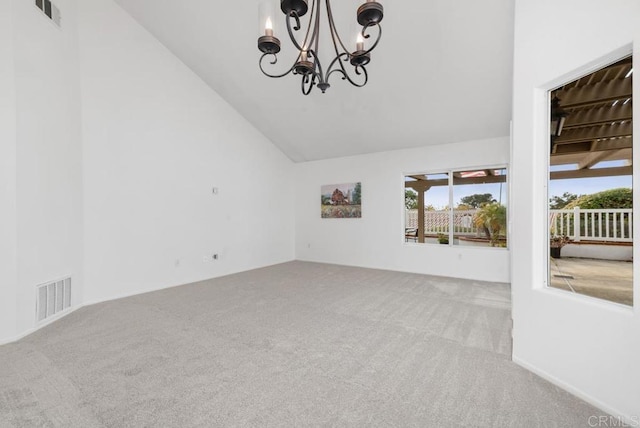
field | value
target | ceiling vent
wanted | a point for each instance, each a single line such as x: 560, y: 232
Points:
x: 52, y: 298
x: 50, y: 10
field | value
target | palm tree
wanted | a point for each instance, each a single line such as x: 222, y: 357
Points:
x: 492, y: 218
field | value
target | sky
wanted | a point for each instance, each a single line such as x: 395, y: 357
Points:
x: 439, y: 196
x: 586, y: 186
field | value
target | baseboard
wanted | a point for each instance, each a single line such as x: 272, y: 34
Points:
x: 627, y: 419
x: 32, y: 330
x: 402, y: 270
x: 18, y: 337
x: 152, y: 290
x: 125, y: 295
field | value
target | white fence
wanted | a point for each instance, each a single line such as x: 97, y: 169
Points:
x: 438, y: 221
x: 613, y: 225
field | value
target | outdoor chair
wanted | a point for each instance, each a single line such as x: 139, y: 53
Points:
x: 411, y: 233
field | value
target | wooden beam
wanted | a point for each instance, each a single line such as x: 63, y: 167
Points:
x: 577, y: 158
x: 587, y: 173
x: 597, y: 93
x: 480, y: 180
x: 617, y: 144
x: 595, y: 132
x: 593, y: 158
x: 573, y: 148
x: 599, y: 116
x: 419, y: 177
x: 421, y: 216
x: 427, y: 184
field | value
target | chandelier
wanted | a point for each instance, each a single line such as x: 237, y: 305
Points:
x: 350, y: 65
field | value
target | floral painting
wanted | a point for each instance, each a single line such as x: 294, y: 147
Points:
x: 341, y: 200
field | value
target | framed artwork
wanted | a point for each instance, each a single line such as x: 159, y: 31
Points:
x: 341, y: 200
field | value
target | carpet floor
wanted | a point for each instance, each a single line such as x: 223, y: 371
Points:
x: 296, y: 344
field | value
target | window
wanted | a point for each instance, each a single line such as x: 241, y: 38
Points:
x: 590, y: 212
x: 457, y: 207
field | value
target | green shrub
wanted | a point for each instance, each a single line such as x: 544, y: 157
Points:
x: 613, y: 198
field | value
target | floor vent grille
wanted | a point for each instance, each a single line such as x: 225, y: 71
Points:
x: 52, y: 298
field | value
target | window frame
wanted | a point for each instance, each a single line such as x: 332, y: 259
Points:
x: 450, y: 185
x: 543, y: 104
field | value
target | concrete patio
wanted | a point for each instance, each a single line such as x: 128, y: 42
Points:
x: 604, y: 279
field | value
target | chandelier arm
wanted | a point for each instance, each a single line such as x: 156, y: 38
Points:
x: 336, y: 59
x: 337, y: 70
x: 366, y: 36
x: 272, y: 62
x: 294, y: 14
x: 316, y: 28
x: 307, y: 84
x: 334, y: 32
x: 345, y: 75
x: 345, y: 53
x: 318, y: 64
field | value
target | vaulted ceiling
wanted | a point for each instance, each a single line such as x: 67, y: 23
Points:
x: 442, y: 73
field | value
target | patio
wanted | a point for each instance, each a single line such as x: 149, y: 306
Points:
x: 604, y: 279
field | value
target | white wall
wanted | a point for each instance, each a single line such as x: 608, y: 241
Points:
x: 109, y: 149
x: 587, y: 346
x: 377, y: 239
x: 49, y: 172
x: 156, y: 140
x: 8, y: 273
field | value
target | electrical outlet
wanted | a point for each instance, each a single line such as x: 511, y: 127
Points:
x: 211, y: 258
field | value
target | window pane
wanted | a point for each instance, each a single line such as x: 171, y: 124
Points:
x: 480, y: 207
x: 590, y: 185
x: 427, y: 212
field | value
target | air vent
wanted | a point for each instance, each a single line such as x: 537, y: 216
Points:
x: 52, y: 298
x: 50, y: 10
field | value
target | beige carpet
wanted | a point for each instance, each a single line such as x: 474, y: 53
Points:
x: 297, y: 344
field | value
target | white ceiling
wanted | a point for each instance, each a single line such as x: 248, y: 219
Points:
x: 442, y: 73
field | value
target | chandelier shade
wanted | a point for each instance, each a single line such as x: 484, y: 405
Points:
x: 349, y: 63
